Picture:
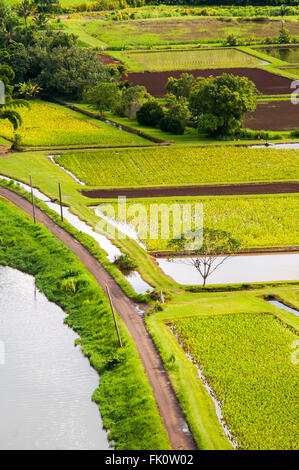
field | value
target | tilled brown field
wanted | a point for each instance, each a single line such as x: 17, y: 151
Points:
x: 274, y: 116
x: 266, y: 82
x: 280, y: 187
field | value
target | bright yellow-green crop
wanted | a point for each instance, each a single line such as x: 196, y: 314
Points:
x: 255, y: 221
x: 192, y: 59
x: 50, y: 125
x: 184, y: 165
x: 246, y: 359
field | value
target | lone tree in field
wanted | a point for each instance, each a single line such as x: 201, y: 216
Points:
x: 219, y: 104
x: 217, y: 247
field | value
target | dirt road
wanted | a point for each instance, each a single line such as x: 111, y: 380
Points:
x: 198, y: 190
x: 167, y: 402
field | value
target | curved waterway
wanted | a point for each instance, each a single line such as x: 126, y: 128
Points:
x: 46, y: 383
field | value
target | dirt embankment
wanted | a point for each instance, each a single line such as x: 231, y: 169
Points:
x: 201, y: 190
x: 266, y: 82
x: 107, y: 60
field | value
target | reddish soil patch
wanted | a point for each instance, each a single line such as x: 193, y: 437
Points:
x: 107, y: 60
x: 274, y: 116
x: 266, y: 82
x: 202, y: 190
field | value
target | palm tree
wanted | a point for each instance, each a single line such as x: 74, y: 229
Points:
x: 25, y: 9
x: 10, y: 105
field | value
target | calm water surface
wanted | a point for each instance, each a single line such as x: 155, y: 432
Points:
x: 287, y: 54
x: 46, y: 383
x: 237, y: 269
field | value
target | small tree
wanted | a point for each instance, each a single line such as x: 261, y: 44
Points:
x: 180, y: 86
x: 217, y: 247
x: 29, y: 90
x: 176, y: 115
x: 232, y: 40
x: 282, y: 14
x: 172, y: 125
x: 150, y: 113
x: 25, y: 9
x: 284, y: 36
x: 103, y: 97
x: 130, y: 98
x: 177, y: 108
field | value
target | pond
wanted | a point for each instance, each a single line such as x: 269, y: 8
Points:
x: 287, y: 54
x: 237, y: 269
x: 46, y: 382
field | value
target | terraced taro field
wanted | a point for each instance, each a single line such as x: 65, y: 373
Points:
x: 264, y: 221
x: 246, y: 359
x: 50, y: 125
x: 175, y: 166
x: 189, y: 59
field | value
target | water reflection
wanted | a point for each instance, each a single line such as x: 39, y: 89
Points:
x: 237, y: 269
x: 46, y: 384
x: 287, y: 54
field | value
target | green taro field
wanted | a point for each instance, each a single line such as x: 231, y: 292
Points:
x: 255, y: 221
x: 174, y: 166
x: 50, y: 125
x: 188, y: 59
x: 246, y: 359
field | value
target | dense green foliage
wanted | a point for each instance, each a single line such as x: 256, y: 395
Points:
x: 50, y: 58
x: 150, y: 114
x: 219, y: 104
x: 124, y: 396
x: 246, y: 359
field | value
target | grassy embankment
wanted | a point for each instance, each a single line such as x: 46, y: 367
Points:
x: 191, y: 137
x: 125, y: 398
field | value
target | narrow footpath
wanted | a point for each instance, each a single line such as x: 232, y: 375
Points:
x: 166, y: 400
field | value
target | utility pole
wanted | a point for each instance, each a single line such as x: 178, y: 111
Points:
x: 32, y: 198
x: 113, y: 313
x: 60, y: 200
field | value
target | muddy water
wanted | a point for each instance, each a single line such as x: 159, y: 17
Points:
x: 46, y: 384
x: 237, y: 269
